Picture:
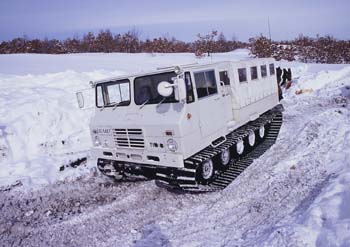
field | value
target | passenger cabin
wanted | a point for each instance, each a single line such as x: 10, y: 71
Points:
x: 235, y: 91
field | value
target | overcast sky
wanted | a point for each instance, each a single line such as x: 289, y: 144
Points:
x: 180, y: 18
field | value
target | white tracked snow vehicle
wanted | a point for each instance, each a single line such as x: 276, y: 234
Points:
x: 192, y: 127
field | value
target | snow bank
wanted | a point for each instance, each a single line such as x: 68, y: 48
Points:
x: 42, y: 127
x: 323, y: 217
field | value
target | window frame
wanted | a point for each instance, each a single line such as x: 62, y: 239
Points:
x: 245, y: 72
x: 228, y: 82
x: 251, y: 73
x: 187, y: 73
x: 261, y: 70
x: 207, y: 88
x: 104, y: 85
x: 153, y: 103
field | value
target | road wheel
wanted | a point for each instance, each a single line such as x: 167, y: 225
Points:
x: 240, y: 147
x: 262, y: 132
x: 225, y: 157
x: 251, y: 139
x: 206, y: 171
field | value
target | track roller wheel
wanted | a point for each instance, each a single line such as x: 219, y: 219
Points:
x: 240, y: 147
x: 251, y: 139
x: 262, y: 132
x: 225, y: 157
x: 206, y: 171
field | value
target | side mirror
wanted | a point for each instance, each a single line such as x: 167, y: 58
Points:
x: 80, y: 99
x: 165, y: 88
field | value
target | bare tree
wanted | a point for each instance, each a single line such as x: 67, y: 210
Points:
x: 206, y: 43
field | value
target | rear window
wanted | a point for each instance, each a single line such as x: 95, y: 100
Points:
x: 242, y: 74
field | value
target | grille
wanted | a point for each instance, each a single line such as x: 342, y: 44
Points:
x: 129, y: 138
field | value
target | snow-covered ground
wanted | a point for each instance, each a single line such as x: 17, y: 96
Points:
x: 296, y: 194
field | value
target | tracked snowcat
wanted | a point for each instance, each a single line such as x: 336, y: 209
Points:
x: 193, y: 127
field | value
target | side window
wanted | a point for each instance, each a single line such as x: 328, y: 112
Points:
x: 263, y: 70
x: 272, y: 69
x: 242, y: 74
x: 99, y: 96
x: 200, y: 84
x: 189, y: 88
x: 211, y: 82
x: 253, y: 73
x: 205, y: 83
x: 224, y: 77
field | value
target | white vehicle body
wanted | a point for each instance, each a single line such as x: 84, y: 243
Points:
x: 226, y: 95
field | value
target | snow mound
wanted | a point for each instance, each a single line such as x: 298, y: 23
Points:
x: 41, y: 126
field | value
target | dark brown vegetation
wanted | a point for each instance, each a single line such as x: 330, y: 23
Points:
x: 306, y: 49
x: 129, y: 42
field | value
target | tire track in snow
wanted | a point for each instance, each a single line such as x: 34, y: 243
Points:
x: 87, y: 212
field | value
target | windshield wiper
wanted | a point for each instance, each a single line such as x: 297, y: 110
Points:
x: 160, y: 102
x: 115, y: 105
x: 144, y: 103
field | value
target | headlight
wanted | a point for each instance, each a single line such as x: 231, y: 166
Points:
x: 105, y: 144
x: 96, y: 141
x: 172, y: 145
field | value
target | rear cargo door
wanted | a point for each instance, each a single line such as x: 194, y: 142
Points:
x: 210, y: 102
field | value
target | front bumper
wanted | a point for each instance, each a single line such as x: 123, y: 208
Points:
x: 135, y: 156
x: 170, y: 175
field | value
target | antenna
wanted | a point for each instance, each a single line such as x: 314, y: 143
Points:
x: 268, y: 24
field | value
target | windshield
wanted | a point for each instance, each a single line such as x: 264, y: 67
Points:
x: 146, y: 89
x: 113, y: 93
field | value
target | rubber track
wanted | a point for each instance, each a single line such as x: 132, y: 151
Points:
x: 223, y: 178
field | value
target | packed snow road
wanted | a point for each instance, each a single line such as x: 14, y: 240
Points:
x: 296, y: 194
x: 90, y: 211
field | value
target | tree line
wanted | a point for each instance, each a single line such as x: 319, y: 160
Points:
x: 305, y: 49
x: 325, y: 49
x: 128, y: 42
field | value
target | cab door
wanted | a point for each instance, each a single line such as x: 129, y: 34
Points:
x: 210, y: 103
